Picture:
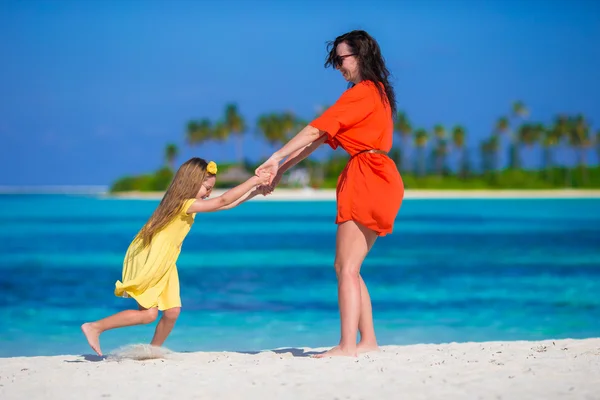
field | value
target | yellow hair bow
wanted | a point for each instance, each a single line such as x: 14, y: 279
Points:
x: 211, y: 168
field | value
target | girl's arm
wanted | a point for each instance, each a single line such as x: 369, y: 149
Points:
x: 229, y: 196
x: 249, y: 195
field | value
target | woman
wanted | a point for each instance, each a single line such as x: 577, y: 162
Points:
x: 369, y: 190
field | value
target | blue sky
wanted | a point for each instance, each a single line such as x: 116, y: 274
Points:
x: 92, y: 90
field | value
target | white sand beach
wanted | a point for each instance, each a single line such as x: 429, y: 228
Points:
x: 329, y: 194
x: 559, y: 369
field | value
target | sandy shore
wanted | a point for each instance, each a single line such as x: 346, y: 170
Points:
x: 329, y: 194
x: 565, y: 369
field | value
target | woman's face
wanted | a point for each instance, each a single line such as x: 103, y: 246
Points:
x: 347, y: 63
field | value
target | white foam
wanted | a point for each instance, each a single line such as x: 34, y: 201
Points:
x: 140, y: 352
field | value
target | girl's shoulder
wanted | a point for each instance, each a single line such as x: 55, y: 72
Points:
x: 186, y: 205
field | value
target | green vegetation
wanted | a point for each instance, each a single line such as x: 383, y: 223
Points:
x: 427, y: 167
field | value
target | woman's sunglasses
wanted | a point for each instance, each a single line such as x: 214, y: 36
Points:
x: 339, y: 60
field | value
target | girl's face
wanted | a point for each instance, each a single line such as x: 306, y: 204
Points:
x: 207, y: 187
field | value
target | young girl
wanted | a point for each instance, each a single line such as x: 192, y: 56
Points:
x: 149, y: 270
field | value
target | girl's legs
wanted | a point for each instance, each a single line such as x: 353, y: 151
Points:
x: 92, y: 330
x: 165, y: 326
x: 170, y: 302
x: 352, y: 245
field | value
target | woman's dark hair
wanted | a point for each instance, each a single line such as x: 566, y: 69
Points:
x: 370, y: 61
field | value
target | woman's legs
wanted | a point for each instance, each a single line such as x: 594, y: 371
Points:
x: 92, y: 330
x: 352, y: 245
x: 368, y: 341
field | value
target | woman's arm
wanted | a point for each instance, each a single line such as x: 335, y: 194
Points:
x: 302, y: 139
x: 292, y: 160
x: 301, y: 154
x: 305, y: 137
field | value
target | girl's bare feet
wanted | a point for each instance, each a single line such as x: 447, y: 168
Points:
x: 92, y: 334
x: 337, y: 351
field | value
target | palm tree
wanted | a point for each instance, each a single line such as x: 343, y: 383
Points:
x: 421, y: 139
x: 198, y: 132
x: 272, y: 128
x: 502, y: 125
x: 529, y: 134
x: 489, y: 152
x: 439, y: 155
x: 550, y: 138
x: 502, y: 128
x: 562, y: 128
x: 289, y: 124
x: 402, y: 125
x: 494, y: 144
x: 220, y: 132
x: 485, y: 156
x: 171, y: 153
x: 439, y: 131
x: 458, y: 139
x: 519, y: 111
x: 598, y: 145
x: 235, y: 125
x: 441, y: 148
x: 579, y: 139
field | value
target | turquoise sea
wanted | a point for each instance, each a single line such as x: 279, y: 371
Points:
x: 260, y: 276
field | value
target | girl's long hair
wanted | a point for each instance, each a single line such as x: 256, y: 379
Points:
x: 185, y: 185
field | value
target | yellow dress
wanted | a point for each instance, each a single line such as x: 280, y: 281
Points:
x: 150, y: 274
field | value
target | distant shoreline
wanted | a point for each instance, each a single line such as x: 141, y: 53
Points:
x: 309, y: 194
x: 329, y: 194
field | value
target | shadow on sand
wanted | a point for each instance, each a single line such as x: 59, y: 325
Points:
x: 89, y: 358
x: 296, y: 352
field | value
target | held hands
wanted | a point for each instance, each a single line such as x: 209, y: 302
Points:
x: 271, y: 166
x: 268, y: 189
x: 263, y: 177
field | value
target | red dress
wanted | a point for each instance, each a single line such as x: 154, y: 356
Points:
x: 369, y: 189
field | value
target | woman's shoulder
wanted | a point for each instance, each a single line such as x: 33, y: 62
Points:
x: 363, y: 89
x: 360, y: 91
x: 365, y: 86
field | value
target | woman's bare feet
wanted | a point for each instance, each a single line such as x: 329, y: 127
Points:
x: 337, y: 351
x: 92, y: 334
x: 366, y: 347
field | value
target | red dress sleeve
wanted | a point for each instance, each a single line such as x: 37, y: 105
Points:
x: 354, y: 105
